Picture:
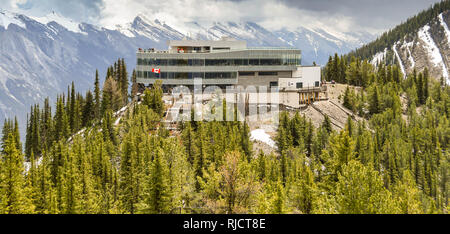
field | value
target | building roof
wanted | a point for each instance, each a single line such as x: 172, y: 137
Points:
x: 232, y: 43
x: 225, y: 44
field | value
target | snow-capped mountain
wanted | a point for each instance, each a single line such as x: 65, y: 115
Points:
x: 40, y: 57
x: 428, y: 47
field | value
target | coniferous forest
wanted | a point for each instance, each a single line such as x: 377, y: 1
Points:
x: 80, y: 159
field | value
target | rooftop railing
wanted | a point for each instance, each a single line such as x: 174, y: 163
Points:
x: 213, y: 51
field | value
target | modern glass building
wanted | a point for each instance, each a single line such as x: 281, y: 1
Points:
x: 223, y: 63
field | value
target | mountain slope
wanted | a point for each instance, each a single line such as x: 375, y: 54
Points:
x: 39, y: 60
x: 422, y: 41
x: 429, y: 47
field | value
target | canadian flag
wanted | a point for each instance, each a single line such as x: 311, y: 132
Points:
x: 156, y: 70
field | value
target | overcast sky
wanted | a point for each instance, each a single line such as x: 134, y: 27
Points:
x: 341, y: 15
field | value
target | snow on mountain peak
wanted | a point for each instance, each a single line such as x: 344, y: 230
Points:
x: 144, y: 20
x: 125, y: 30
x: 7, y: 18
x: 69, y: 24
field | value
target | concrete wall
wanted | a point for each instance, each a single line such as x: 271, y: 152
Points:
x: 256, y: 80
x: 290, y: 99
x: 288, y: 83
x: 308, y: 75
x: 261, y: 80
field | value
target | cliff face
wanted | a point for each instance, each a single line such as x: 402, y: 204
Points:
x: 428, y: 47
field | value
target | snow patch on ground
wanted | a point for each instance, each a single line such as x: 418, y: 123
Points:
x: 81, y: 131
x: 433, y: 50
x: 27, y: 165
x: 117, y: 121
x: 399, y: 60
x: 379, y: 57
x: 447, y: 32
x: 121, y: 110
x: 261, y: 135
x: 410, y: 57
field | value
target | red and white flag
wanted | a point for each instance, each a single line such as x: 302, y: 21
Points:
x: 156, y: 70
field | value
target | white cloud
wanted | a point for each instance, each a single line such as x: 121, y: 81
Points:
x: 16, y: 3
x: 271, y: 14
x: 340, y: 16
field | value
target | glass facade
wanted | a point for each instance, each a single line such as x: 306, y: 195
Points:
x: 246, y: 73
x: 187, y: 75
x: 227, y: 65
x: 295, y: 60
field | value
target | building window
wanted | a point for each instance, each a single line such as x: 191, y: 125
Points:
x: 253, y: 62
x: 215, y: 62
x: 246, y: 73
x: 270, y: 62
x: 181, y: 75
x: 241, y: 62
x: 161, y: 62
x: 196, y: 62
x: 268, y: 73
x: 221, y: 48
x: 299, y: 85
x: 273, y: 84
x: 218, y: 62
x: 317, y: 83
x: 220, y: 75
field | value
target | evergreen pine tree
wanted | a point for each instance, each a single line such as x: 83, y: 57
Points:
x: 419, y: 87
x: 17, y: 135
x: 327, y: 124
x: 347, y: 102
x: 124, y: 82
x: 158, y: 193
x: 134, y: 84
x: 278, y: 201
x: 407, y: 196
x: 425, y: 85
x: 374, y: 103
x: 97, y: 101
x: 14, y: 198
x: 7, y: 129
x: 88, y: 109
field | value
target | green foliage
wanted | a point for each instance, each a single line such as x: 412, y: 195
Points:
x: 153, y: 98
x: 158, y: 190
x: 360, y: 191
x: 14, y: 192
x: 79, y: 162
x: 112, y: 99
